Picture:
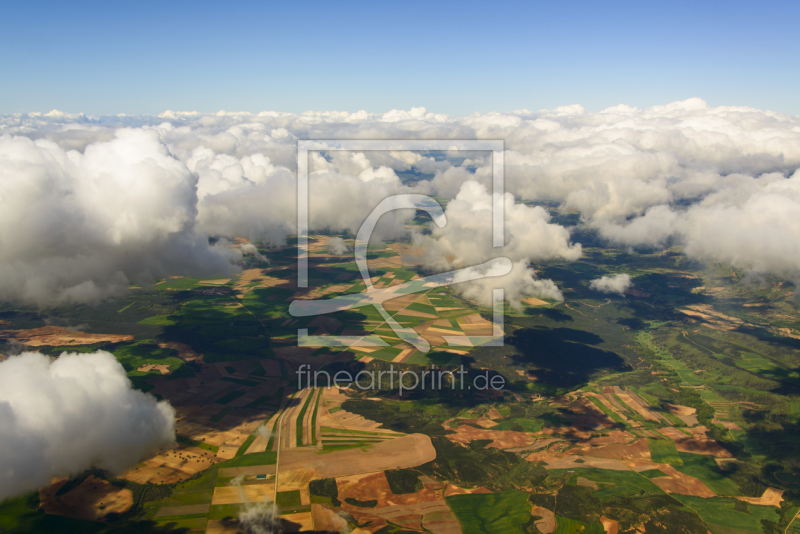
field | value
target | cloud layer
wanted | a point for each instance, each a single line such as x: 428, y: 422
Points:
x: 89, y: 204
x: 65, y: 416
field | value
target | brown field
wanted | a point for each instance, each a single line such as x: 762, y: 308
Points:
x: 258, y: 278
x: 708, y: 447
x: 174, y: 465
x: 297, y: 479
x: 262, y: 438
x: 677, y: 482
x: 434, y: 335
x: 787, y: 332
x: 146, y: 368
x: 484, y: 422
x: 403, y: 452
x: 639, y: 465
x: 771, y: 497
x: 242, y: 494
x: 677, y: 409
x: 501, y: 439
x: 299, y: 522
x: 93, y: 499
x: 570, y: 462
x: 366, y: 487
x: 613, y: 437
x: 493, y: 414
x: 610, y: 526
x: 547, y: 523
x: 698, y: 432
x: 58, y: 336
x: 632, y: 451
x: 326, y: 519
x: 684, y: 413
x: 423, y: 509
x: 221, y: 282
x: 289, y: 421
x: 342, y: 419
x: 404, y: 354
x: 532, y: 301
x: 452, y: 489
x: 538, y: 444
x: 475, y: 325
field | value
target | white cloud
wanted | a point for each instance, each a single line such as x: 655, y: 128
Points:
x: 466, y: 239
x: 683, y: 172
x: 337, y: 246
x: 520, y: 283
x: 79, y: 411
x: 617, y: 283
x: 78, y: 227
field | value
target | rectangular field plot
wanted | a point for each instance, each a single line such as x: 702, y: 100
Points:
x: 612, y: 482
x: 716, y: 481
x: 490, y: 513
x: 663, y: 451
x: 721, y: 516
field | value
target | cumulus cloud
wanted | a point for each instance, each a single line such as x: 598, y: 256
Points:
x: 79, y: 227
x: 466, y: 240
x: 617, y: 283
x: 79, y: 411
x: 682, y: 173
x: 521, y: 282
x: 337, y: 246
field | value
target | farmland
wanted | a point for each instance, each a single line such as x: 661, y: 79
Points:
x: 672, y: 409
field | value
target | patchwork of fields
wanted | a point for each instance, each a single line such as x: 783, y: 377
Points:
x: 656, y: 411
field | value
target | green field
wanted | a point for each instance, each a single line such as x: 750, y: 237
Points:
x: 257, y: 458
x: 663, y: 451
x: 571, y: 526
x: 491, y: 513
x: 722, y: 517
x: 652, y: 473
x: 611, y: 482
x: 606, y: 410
x: 641, y: 344
x: 301, y: 416
x: 288, y: 499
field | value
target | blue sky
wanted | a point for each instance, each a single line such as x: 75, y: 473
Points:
x: 455, y: 58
